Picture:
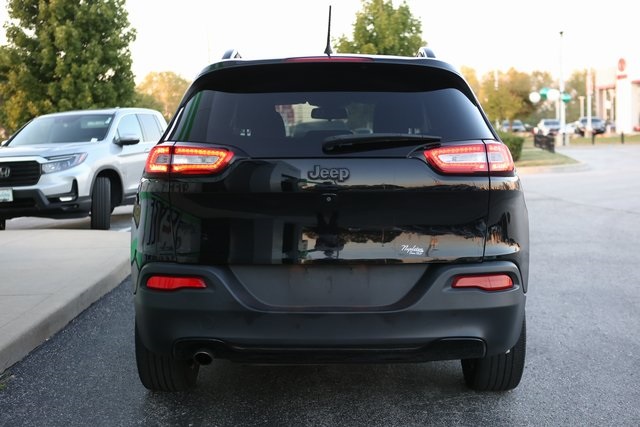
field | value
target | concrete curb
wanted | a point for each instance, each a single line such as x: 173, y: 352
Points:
x: 40, y: 299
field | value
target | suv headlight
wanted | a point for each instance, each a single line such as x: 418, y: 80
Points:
x: 60, y: 163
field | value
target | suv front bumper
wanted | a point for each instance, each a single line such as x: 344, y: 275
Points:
x: 33, y: 202
x: 64, y: 194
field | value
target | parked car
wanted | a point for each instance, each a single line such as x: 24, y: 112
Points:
x: 548, y: 127
x: 570, y: 128
x: 400, y: 234
x: 610, y: 125
x: 78, y: 163
x: 515, y: 126
x: 598, y: 126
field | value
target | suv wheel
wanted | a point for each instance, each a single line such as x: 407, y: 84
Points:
x: 500, y: 372
x: 164, y: 373
x: 3, y: 223
x: 101, y: 204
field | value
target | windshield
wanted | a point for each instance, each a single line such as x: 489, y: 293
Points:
x: 63, y: 129
x: 293, y: 123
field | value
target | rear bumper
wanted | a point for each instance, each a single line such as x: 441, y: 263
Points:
x: 431, y: 322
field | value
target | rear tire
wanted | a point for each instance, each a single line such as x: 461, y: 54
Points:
x: 164, y: 373
x: 101, y: 204
x: 500, y: 372
x: 3, y: 224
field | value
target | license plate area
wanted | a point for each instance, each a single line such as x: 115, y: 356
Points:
x: 6, y: 195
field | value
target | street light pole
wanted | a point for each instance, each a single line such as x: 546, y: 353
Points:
x: 563, y: 119
x: 581, y: 105
x: 589, y: 93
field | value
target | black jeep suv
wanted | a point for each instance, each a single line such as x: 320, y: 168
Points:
x: 330, y: 209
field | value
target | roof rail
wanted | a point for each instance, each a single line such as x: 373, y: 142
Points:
x: 425, y: 52
x: 231, y: 54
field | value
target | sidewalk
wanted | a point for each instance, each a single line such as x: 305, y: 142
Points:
x: 536, y: 170
x: 48, y: 277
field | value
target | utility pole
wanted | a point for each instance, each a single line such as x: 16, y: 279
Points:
x: 589, y: 93
x: 563, y: 120
x: 495, y: 88
x: 581, y: 98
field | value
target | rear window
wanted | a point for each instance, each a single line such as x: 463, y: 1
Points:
x: 290, y: 123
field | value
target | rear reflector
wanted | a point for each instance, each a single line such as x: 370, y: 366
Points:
x: 486, y: 282
x: 492, y: 157
x: 187, y: 160
x: 171, y: 283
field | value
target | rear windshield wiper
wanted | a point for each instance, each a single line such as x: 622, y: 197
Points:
x: 379, y: 141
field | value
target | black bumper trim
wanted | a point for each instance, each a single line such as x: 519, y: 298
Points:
x: 444, y: 349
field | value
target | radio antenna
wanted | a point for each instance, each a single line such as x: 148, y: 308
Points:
x: 327, y: 50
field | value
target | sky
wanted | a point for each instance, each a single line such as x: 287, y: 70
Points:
x: 184, y: 36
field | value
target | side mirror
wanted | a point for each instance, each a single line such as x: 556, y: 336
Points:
x: 127, y: 139
x: 4, y: 143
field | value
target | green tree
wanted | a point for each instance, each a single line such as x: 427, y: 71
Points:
x: 471, y: 77
x: 544, y: 108
x: 166, y: 87
x: 144, y: 100
x: 505, y: 95
x: 499, y: 98
x: 383, y: 30
x: 520, y: 84
x: 542, y: 79
x: 576, y: 86
x: 65, y: 54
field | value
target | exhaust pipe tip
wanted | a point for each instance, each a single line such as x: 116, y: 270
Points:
x: 203, y: 357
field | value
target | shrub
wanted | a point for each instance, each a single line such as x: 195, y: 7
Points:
x: 514, y: 142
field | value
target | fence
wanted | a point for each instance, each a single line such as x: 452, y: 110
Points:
x: 546, y: 142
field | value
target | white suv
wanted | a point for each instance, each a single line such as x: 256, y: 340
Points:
x: 548, y: 127
x: 77, y: 163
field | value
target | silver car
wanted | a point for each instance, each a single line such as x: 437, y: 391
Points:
x: 77, y: 163
x: 548, y: 127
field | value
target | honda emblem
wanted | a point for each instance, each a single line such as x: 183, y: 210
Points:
x: 5, y: 171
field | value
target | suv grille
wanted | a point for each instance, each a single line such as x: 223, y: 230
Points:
x: 19, y: 173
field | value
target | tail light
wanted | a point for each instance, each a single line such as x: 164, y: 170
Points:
x: 486, y: 282
x: 164, y: 159
x: 491, y: 157
x: 172, y: 283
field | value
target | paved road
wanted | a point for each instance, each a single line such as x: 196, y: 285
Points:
x: 583, y: 346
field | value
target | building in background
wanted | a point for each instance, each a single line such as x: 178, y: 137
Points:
x: 617, y: 95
